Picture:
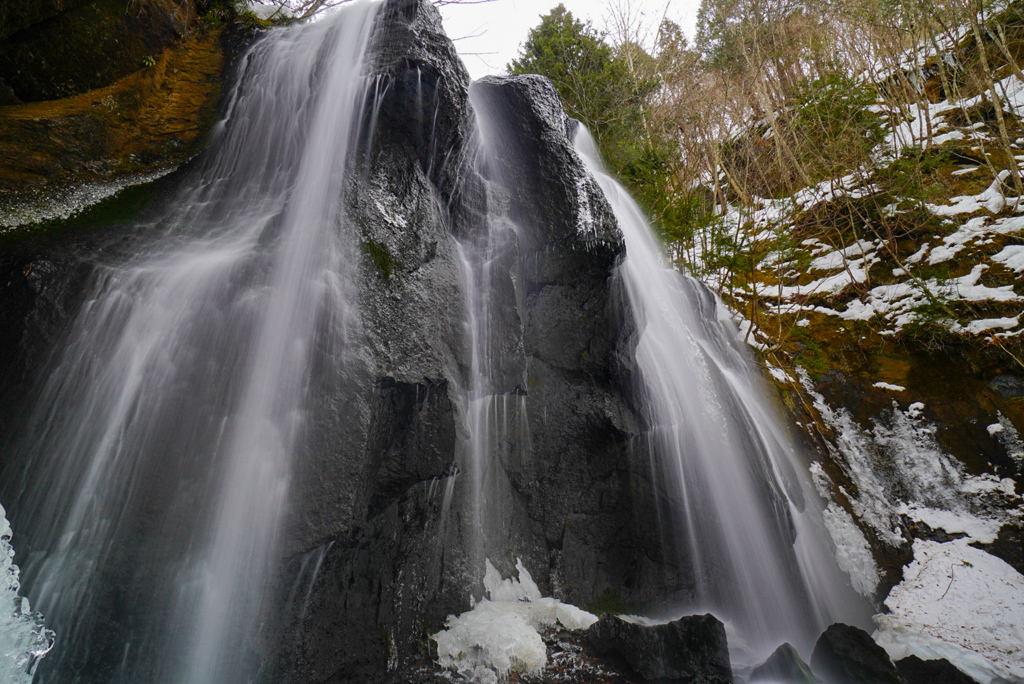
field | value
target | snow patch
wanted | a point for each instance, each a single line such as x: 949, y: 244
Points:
x: 991, y: 199
x: 1012, y: 257
x: 959, y: 603
x: 888, y: 386
x: 981, y: 325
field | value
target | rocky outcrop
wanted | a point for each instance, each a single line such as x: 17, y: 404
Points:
x: 690, y: 649
x: 384, y: 529
x: 378, y: 537
x: 784, y: 666
x: 917, y: 671
x: 848, y: 655
x: 154, y: 118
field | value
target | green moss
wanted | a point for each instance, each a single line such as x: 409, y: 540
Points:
x: 379, y: 254
x: 610, y: 602
x: 813, y: 358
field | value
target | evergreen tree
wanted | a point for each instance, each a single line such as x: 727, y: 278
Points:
x: 611, y: 90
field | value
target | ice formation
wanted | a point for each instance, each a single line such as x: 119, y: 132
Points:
x: 501, y: 634
x: 23, y: 637
x: 956, y: 601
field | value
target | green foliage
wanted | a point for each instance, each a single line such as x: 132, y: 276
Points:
x: 581, y: 66
x: 149, y: 61
x: 610, y: 91
x: 833, y: 125
x: 732, y: 34
x: 717, y: 32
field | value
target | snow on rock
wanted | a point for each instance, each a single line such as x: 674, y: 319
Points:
x: 955, y: 601
x: 779, y: 374
x: 984, y: 530
x: 890, y: 387
x: 983, y: 324
x: 839, y: 258
x: 897, y: 302
x: 954, y: 243
x: 1012, y: 257
x: 992, y: 199
x: 899, y: 468
x: 501, y: 634
x: 1009, y: 437
x: 959, y: 603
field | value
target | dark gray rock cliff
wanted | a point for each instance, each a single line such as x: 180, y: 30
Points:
x: 392, y: 560
x: 379, y: 534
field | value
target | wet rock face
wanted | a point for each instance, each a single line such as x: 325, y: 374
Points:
x: 38, y: 294
x: 383, y: 521
x: 690, y: 649
x: 559, y: 201
x: 784, y: 666
x: 151, y: 120
x: 425, y: 89
x: 848, y: 655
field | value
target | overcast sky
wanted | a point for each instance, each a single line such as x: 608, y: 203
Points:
x: 488, y: 35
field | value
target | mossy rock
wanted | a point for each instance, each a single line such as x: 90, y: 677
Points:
x: 154, y: 118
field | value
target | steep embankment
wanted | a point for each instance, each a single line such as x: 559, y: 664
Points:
x: 888, y: 307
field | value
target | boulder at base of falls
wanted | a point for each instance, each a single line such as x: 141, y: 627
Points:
x: 917, y: 671
x: 784, y: 665
x: 848, y: 655
x: 691, y: 649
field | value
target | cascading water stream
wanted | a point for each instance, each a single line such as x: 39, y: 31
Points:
x: 157, y: 468
x: 747, y: 521
x: 496, y: 419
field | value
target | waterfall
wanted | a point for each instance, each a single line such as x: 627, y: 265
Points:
x: 495, y: 409
x: 743, y: 512
x: 157, y: 465
x: 270, y: 376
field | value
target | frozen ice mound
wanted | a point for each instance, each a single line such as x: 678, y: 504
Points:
x: 502, y: 633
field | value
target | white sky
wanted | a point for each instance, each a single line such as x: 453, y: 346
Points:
x: 488, y: 35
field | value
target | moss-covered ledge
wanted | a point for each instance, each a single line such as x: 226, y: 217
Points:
x: 152, y: 119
